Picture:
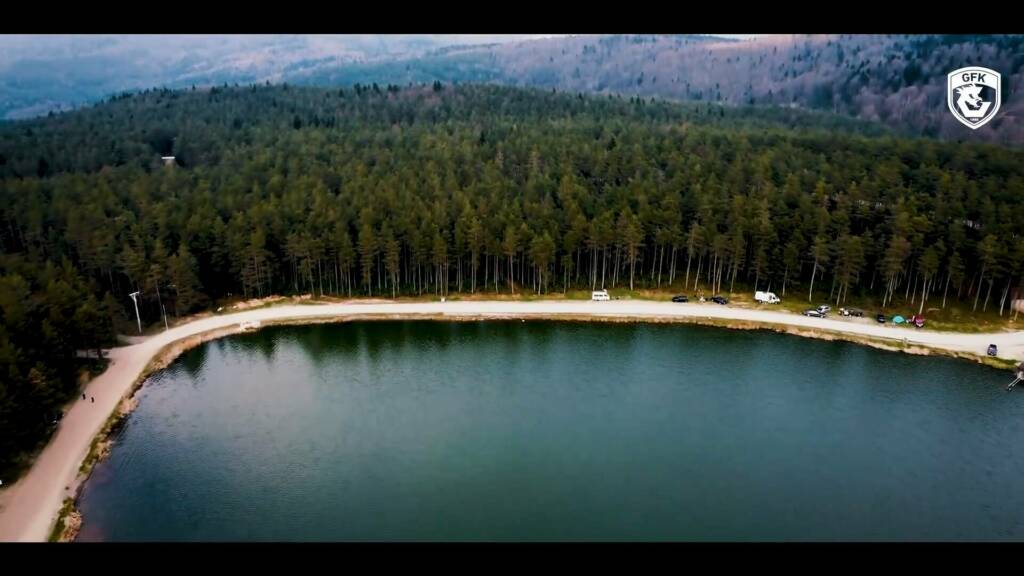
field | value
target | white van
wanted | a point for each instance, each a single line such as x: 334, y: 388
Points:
x: 766, y: 297
x: 599, y: 295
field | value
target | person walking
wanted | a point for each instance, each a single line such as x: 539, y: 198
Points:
x: 93, y: 399
x: 83, y: 395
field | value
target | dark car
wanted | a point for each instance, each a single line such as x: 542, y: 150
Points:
x: 851, y: 312
x: 814, y: 313
x: 719, y: 300
x: 880, y: 318
x: 992, y: 350
x: 680, y: 298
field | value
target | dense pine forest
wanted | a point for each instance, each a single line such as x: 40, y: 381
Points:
x: 430, y: 190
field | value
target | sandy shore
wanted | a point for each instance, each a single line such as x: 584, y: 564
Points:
x: 29, y: 508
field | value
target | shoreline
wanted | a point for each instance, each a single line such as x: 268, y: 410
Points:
x: 101, y: 444
x: 60, y: 470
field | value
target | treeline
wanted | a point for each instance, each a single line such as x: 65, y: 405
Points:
x: 200, y: 126
x: 387, y: 191
x: 48, y: 313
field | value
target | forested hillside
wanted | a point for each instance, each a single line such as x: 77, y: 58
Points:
x: 386, y: 191
x: 896, y: 79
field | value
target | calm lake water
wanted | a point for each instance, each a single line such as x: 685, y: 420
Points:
x: 561, y: 431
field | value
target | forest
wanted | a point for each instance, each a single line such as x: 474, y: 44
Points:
x: 390, y: 191
x: 896, y: 79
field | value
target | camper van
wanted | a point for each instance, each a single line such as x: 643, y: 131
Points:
x: 766, y: 297
x: 599, y: 295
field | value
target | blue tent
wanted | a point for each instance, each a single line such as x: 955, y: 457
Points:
x: 898, y: 319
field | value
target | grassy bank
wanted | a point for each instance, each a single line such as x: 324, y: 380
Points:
x: 69, y: 520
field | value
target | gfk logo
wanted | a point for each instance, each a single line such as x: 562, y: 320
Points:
x: 973, y: 95
x: 973, y: 76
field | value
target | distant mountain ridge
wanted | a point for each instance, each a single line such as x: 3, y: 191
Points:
x: 897, y: 80
x: 56, y: 72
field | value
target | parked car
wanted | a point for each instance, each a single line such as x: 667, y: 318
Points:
x: 766, y: 297
x: 824, y: 309
x: 917, y: 320
x: 814, y: 313
x: 600, y: 295
x: 993, y: 350
x: 880, y: 318
x: 719, y: 300
x: 851, y: 312
x: 680, y: 298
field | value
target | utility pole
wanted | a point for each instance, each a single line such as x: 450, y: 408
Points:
x: 136, y: 302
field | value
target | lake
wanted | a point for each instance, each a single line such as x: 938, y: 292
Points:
x: 544, y: 430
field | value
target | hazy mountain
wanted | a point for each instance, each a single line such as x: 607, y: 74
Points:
x: 53, y: 72
x: 896, y: 80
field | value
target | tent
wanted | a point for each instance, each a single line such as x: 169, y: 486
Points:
x: 898, y: 319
